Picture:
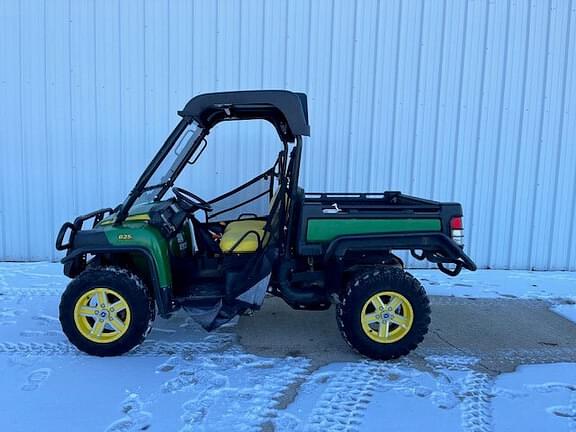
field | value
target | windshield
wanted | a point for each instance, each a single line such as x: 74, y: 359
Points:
x: 170, y: 163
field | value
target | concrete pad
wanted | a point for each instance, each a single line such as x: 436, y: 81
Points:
x: 502, y: 333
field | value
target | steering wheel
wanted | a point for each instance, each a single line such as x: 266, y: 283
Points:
x: 191, y: 202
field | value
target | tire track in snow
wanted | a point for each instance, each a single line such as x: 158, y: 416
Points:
x: 533, y: 356
x: 38, y: 348
x: 215, y: 341
x: 475, y: 391
x: 476, y: 403
x: 147, y: 349
x: 547, y: 354
x: 11, y: 292
x: 342, y: 405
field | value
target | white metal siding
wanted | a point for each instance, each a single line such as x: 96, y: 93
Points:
x: 473, y: 101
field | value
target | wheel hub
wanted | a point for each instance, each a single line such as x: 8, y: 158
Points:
x: 387, y: 317
x: 102, y: 315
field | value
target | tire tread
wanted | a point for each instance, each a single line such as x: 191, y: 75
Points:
x: 132, y: 286
x: 394, y: 277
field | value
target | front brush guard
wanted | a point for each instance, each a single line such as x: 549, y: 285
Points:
x: 97, y: 215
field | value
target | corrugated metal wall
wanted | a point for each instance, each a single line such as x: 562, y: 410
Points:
x: 472, y: 101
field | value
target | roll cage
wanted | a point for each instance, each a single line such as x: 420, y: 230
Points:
x: 286, y: 111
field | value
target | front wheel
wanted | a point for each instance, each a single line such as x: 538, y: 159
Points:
x: 384, y: 313
x: 106, y: 311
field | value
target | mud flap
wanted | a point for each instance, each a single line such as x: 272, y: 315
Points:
x: 213, y: 316
x: 255, y: 295
x: 204, y: 315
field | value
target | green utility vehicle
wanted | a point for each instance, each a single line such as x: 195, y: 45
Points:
x: 165, y: 248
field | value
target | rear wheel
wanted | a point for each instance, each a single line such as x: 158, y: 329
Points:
x: 384, y: 313
x: 106, y: 311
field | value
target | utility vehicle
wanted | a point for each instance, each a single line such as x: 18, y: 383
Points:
x: 165, y: 248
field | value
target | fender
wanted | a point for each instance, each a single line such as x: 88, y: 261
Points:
x: 436, y: 246
x: 96, y: 242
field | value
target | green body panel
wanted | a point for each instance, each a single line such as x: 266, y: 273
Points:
x: 142, y: 235
x: 323, y: 230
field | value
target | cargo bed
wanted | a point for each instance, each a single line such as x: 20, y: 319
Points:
x: 332, y: 224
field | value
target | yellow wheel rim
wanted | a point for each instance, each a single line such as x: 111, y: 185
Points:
x: 102, y: 315
x: 387, y: 317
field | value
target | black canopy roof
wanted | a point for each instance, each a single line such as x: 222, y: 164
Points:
x: 286, y: 110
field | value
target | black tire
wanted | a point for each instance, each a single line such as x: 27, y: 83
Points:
x: 120, y: 281
x: 364, y: 286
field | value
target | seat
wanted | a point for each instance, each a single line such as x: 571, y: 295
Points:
x: 246, y: 225
x: 235, y: 230
x: 243, y: 236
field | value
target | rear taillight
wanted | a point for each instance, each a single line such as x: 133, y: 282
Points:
x: 457, y: 230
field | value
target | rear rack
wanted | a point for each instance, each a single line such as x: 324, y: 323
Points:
x: 390, y: 200
x: 97, y: 215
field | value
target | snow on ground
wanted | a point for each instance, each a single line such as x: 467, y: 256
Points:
x: 514, y: 284
x: 545, y: 395
x: 568, y: 311
x: 185, y: 379
x: 449, y: 397
x: 556, y: 287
